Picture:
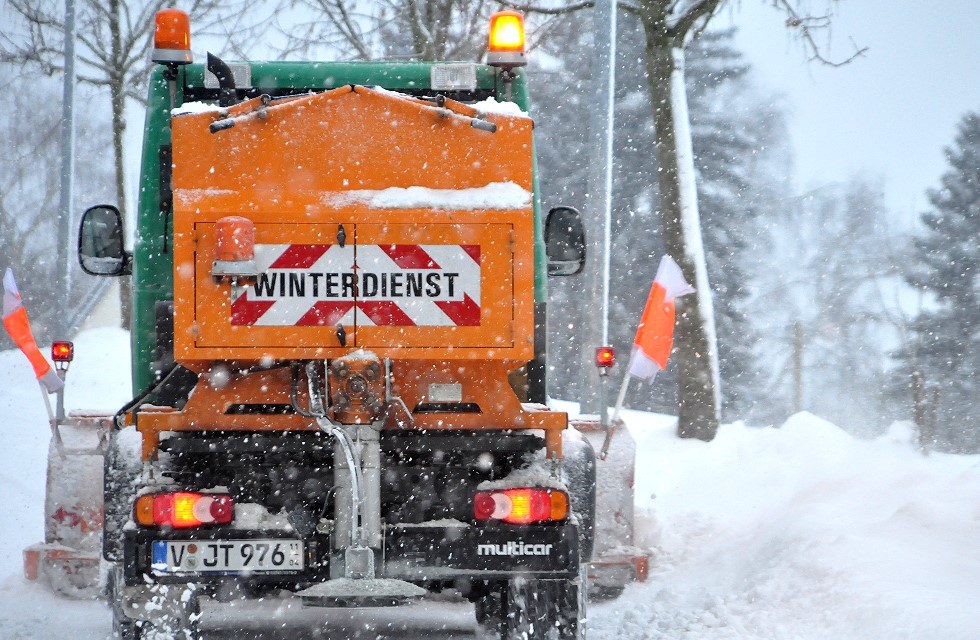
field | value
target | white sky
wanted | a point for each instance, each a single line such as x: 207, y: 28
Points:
x: 885, y: 116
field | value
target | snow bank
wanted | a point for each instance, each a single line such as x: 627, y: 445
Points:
x: 800, y: 532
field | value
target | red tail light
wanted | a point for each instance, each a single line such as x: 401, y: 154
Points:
x: 184, y: 510
x: 521, y: 506
x: 605, y: 357
x: 62, y: 351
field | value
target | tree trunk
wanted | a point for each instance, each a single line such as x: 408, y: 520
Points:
x: 798, y: 345
x: 698, y: 409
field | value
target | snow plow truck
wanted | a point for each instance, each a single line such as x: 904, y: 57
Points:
x: 339, y: 330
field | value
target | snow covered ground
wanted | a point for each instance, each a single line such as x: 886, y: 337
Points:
x: 797, y: 532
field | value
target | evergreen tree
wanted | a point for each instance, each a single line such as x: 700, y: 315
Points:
x: 945, y: 344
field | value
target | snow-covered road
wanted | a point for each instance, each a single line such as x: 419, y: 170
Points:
x: 800, y: 532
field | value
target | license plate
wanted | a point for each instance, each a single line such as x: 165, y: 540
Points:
x: 205, y: 556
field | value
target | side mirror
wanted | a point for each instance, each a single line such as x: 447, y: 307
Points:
x: 100, y: 242
x: 564, y: 238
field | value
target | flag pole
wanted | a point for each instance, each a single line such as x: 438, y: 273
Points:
x: 58, y: 443
x: 611, y: 428
x: 621, y: 398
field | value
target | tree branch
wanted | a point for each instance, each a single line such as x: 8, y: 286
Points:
x: 806, y: 26
x: 548, y: 11
x: 703, y: 9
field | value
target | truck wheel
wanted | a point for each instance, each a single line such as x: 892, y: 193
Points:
x: 123, y: 627
x: 524, y: 610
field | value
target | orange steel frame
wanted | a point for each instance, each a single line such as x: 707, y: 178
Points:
x: 289, y: 172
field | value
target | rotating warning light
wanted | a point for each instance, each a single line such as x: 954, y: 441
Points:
x: 234, y: 239
x: 506, y: 48
x: 605, y: 357
x: 172, y: 38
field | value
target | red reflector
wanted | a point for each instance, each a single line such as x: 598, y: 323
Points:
x: 223, y: 509
x: 62, y: 351
x: 605, y: 357
x: 483, y: 506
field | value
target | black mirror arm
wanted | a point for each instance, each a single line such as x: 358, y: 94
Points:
x: 127, y: 265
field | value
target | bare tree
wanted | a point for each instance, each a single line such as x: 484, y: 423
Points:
x: 113, y: 53
x: 29, y: 196
x: 419, y: 29
x: 827, y: 295
x: 385, y: 29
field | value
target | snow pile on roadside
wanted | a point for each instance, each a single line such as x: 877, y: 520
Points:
x: 800, y: 532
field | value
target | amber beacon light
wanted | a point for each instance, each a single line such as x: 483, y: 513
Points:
x: 507, y: 41
x: 235, y: 248
x: 172, y: 38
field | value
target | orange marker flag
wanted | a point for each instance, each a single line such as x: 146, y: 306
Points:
x: 19, y: 328
x: 655, y: 335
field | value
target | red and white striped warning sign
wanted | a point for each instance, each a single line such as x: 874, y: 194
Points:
x: 363, y: 285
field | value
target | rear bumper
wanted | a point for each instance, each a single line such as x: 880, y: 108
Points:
x: 410, y: 552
